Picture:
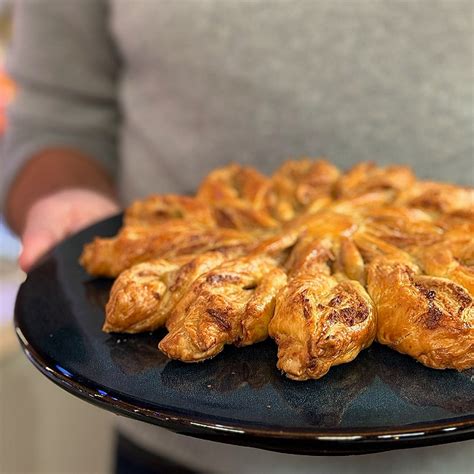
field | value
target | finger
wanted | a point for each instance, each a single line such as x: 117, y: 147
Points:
x: 34, y: 245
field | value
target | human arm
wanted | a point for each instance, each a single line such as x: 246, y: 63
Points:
x: 59, y: 156
x: 58, y: 192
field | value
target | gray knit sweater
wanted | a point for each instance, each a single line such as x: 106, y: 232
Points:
x: 162, y: 91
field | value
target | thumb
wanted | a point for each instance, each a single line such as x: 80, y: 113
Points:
x: 34, y: 245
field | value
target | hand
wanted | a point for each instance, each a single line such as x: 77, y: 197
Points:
x: 55, y: 216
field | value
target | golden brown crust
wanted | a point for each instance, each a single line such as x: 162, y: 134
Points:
x: 402, y: 227
x: 143, y: 296
x: 236, y: 196
x: 231, y: 304
x: 136, y: 297
x: 239, y: 215
x: 443, y: 198
x: 234, y: 182
x: 158, y: 209
x: 300, y: 247
x: 321, y: 320
x: 301, y: 185
x: 453, y: 261
x: 348, y: 260
x: 109, y: 257
x: 429, y: 318
x: 366, y: 177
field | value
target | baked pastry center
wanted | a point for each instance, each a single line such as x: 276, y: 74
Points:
x: 323, y: 262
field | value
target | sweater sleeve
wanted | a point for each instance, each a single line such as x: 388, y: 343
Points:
x: 64, y: 63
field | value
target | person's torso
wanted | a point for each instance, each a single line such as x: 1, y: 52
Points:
x: 207, y: 82
x: 212, y: 81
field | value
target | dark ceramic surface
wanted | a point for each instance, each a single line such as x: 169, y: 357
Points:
x: 381, y: 401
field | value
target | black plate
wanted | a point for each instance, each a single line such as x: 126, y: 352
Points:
x: 382, y: 400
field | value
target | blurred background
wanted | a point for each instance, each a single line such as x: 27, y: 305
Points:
x: 40, y: 426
